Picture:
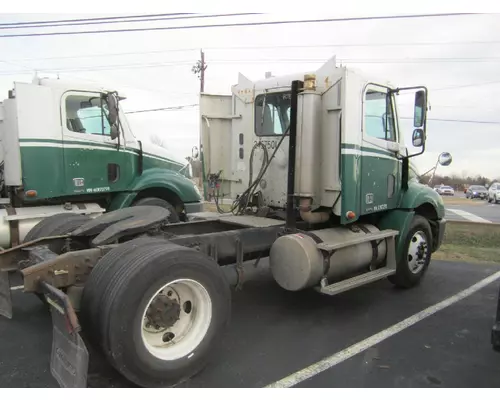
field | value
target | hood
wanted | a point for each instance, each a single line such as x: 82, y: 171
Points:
x: 162, y: 152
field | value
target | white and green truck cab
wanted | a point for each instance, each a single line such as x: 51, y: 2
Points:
x: 67, y: 147
x: 352, y: 164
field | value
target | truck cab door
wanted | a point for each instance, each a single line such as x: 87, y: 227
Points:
x: 380, y: 168
x: 93, y: 161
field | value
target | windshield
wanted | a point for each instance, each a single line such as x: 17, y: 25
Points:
x: 477, y: 188
x: 272, y: 113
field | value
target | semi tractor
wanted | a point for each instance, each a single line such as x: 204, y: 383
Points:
x: 67, y: 147
x: 329, y: 206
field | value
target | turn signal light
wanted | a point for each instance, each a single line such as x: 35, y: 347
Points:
x: 350, y: 215
x: 31, y: 193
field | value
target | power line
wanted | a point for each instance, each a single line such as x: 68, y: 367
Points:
x: 182, y: 16
x: 87, y: 19
x: 163, y: 109
x: 256, y: 23
x: 107, y: 55
x: 262, y: 61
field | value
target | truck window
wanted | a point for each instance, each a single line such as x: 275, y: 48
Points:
x: 378, y: 113
x: 87, y: 114
x: 275, y: 118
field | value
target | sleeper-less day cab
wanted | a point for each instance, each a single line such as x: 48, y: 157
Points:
x: 60, y: 153
x: 323, y: 188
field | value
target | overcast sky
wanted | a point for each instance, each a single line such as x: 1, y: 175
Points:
x: 156, y: 69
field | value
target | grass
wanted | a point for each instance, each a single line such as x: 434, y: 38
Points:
x: 454, y: 252
x: 471, y: 242
x: 457, y: 201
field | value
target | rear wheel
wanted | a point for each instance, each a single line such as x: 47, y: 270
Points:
x: 158, y: 311
x: 416, y: 257
x: 154, y: 201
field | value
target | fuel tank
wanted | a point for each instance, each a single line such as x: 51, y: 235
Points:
x: 296, y: 262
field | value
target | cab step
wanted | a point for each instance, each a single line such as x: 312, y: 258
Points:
x: 388, y: 235
x: 357, y: 281
x: 385, y: 234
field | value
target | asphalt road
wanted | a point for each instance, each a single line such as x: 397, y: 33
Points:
x: 459, y: 208
x: 275, y: 333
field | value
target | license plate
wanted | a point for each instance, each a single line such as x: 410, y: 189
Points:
x: 69, y: 359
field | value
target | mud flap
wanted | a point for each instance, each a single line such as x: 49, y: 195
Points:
x: 5, y: 295
x: 69, y: 359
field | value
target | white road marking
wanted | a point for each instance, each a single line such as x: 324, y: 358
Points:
x: 359, y: 347
x: 469, y: 216
x: 17, y: 287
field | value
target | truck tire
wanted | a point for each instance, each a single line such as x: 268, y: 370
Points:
x: 192, y: 302
x: 98, y: 281
x: 416, y: 257
x: 57, y: 224
x: 154, y: 201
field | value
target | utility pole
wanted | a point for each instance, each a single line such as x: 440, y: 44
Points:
x: 199, y: 70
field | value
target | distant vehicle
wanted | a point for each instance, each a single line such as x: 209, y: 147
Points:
x: 476, y: 192
x: 445, y: 191
x: 494, y: 193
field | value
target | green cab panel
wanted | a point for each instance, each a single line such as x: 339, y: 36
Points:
x: 177, y: 183
x: 400, y: 221
x: 418, y: 194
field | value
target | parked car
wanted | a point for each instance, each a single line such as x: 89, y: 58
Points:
x: 445, y: 191
x: 494, y: 193
x: 476, y: 192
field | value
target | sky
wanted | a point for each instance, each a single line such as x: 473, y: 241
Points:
x: 457, y: 58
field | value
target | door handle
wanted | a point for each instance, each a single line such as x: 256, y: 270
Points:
x: 113, y: 173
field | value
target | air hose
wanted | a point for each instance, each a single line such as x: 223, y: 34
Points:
x: 241, y: 203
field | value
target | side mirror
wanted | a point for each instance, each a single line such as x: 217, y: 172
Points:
x: 418, y: 138
x: 114, y: 132
x: 195, y: 152
x: 445, y: 159
x: 112, y: 103
x: 420, y: 109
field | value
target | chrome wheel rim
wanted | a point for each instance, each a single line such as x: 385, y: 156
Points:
x: 417, y: 252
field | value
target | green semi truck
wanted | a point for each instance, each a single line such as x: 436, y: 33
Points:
x: 67, y: 147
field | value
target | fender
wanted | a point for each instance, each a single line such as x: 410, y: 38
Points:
x: 400, y: 219
x: 418, y: 194
x: 183, y: 187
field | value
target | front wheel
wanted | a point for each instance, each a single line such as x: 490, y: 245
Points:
x: 416, y: 256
